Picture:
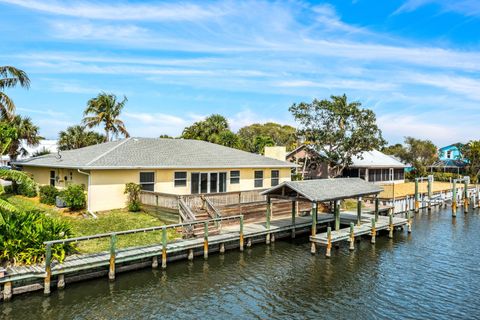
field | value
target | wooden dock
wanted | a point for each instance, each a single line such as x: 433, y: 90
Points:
x: 369, y: 225
x: 20, y: 279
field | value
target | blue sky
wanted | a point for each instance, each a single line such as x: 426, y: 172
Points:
x: 416, y: 63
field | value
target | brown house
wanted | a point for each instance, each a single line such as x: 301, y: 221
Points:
x: 373, y: 166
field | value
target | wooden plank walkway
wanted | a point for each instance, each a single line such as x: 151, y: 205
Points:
x: 363, y: 229
x: 229, y: 233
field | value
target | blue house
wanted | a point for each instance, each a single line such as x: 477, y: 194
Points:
x: 450, y: 159
x: 451, y: 152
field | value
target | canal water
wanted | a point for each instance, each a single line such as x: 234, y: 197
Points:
x: 434, y: 273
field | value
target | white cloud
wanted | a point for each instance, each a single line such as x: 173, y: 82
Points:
x: 156, y: 118
x: 343, y: 84
x: 159, y: 11
x: 465, y: 7
x: 396, y: 126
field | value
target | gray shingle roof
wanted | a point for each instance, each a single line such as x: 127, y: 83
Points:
x: 319, y: 190
x: 142, y: 153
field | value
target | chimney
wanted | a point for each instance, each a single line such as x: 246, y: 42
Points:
x: 279, y: 153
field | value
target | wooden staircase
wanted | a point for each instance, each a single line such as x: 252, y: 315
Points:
x: 201, y: 214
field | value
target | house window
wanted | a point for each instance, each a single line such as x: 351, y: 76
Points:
x: 147, y: 181
x: 52, y: 178
x: 234, y: 177
x: 258, y: 179
x: 449, y: 154
x: 180, y: 179
x: 275, y: 177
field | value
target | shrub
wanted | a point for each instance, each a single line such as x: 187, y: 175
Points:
x: 48, y: 194
x: 8, y: 189
x: 22, y: 235
x: 27, y: 190
x: 445, y: 176
x: 133, y: 191
x: 74, y: 197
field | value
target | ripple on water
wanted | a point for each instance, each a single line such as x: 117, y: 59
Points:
x: 431, y: 274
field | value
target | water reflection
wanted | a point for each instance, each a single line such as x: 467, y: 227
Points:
x: 429, y: 274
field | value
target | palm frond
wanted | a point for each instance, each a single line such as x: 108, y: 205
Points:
x: 13, y: 76
x: 7, y: 107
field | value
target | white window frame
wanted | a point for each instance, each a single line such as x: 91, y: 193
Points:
x: 277, y: 178
x: 146, y: 182
x: 255, y: 179
x: 182, y: 180
x: 235, y: 177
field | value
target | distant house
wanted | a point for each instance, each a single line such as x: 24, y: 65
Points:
x: 373, y: 166
x: 376, y: 166
x: 48, y: 145
x: 450, y: 159
x: 173, y: 166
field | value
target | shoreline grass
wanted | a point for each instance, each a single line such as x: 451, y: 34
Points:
x: 115, y: 220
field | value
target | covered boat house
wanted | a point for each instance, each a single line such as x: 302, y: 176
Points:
x: 326, y: 191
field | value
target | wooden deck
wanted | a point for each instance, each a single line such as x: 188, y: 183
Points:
x: 29, y: 278
x: 365, y: 228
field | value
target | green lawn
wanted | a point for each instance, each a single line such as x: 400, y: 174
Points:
x: 116, y: 220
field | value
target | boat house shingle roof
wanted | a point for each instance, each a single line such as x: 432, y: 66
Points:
x: 140, y: 153
x: 319, y: 190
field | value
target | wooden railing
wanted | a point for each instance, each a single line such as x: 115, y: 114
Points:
x: 113, y: 242
x: 213, y: 212
x: 159, y: 199
x: 225, y: 198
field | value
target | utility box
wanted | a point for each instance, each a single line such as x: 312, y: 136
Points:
x: 60, y: 203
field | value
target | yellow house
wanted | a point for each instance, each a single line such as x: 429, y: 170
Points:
x: 173, y: 166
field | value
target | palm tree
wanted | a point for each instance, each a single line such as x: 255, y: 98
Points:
x: 9, y: 78
x: 75, y: 137
x: 27, y: 132
x: 105, y: 109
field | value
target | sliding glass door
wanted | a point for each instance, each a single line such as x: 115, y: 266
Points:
x: 208, y: 182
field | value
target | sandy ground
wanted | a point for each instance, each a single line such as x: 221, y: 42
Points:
x: 408, y: 188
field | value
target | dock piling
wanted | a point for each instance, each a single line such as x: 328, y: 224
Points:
x: 294, y: 213
x: 164, y: 247
x: 48, y: 269
x: 373, y: 232
x: 454, y: 199
x: 337, y: 215
x: 314, y: 218
x: 190, y: 254
x: 417, y: 202
x: 465, y: 196
x: 155, y: 262
x: 111, y: 270
x: 205, y: 241
x: 409, y: 224
x: 241, y: 233
x: 352, y: 237
x: 377, y: 205
x: 429, y: 188
x: 390, y: 224
x: 221, y: 250
x: 7, y: 291
x: 249, y: 242
x: 267, y: 225
x: 61, y: 281
x: 329, y: 242
x: 359, y: 211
